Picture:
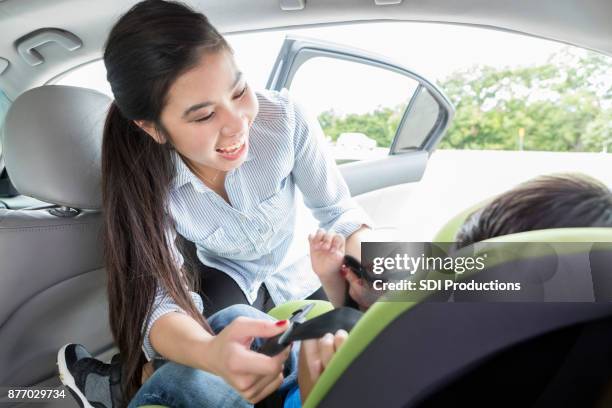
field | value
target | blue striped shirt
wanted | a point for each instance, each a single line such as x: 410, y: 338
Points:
x: 252, y: 239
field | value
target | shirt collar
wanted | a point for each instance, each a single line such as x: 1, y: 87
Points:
x: 184, y: 175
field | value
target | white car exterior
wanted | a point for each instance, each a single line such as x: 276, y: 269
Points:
x: 355, y: 141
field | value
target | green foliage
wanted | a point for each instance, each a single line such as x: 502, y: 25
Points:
x: 563, y: 105
x: 379, y: 125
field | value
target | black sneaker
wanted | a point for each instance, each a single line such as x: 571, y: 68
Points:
x: 91, y: 382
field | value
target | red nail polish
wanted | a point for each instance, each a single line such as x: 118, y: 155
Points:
x: 343, y: 271
x: 281, y: 323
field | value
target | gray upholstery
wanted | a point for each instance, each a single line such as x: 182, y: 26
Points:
x: 52, y: 285
x: 52, y: 142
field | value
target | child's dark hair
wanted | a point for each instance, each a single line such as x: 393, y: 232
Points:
x: 554, y: 201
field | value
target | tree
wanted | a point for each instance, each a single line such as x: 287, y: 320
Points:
x: 379, y: 125
x: 562, y: 105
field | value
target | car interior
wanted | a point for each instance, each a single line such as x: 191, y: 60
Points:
x: 402, y: 353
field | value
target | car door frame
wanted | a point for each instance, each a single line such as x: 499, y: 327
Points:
x: 399, y: 166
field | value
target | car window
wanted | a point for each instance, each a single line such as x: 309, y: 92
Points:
x: 92, y: 75
x: 511, y: 91
x: 4, y: 106
x: 360, y: 127
x: 563, y: 104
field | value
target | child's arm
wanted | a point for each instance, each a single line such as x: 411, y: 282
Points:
x: 326, y: 256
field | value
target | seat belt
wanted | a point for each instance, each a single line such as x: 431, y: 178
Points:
x: 344, y: 318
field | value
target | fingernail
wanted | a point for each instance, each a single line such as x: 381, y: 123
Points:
x: 281, y: 323
x: 343, y: 271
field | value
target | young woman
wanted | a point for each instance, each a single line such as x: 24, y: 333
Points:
x: 189, y: 147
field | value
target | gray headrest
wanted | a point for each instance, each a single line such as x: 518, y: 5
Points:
x: 52, y: 144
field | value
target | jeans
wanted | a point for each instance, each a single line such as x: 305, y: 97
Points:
x: 175, y: 385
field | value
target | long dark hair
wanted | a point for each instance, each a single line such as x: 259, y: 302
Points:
x: 553, y: 201
x: 147, y: 49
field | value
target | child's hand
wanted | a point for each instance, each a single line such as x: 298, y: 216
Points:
x: 315, y: 355
x: 359, y: 290
x: 326, y: 254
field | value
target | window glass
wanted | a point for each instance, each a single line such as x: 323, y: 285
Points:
x: 359, y: 106
x: 511, y: 92
x: 92, y: 75
x: 4, y: 106
x: 563, y: 104
x: 425, y: 113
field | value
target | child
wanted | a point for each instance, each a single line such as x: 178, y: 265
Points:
x: 552, y: 201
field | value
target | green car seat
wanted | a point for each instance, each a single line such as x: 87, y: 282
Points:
x: 473, y: 353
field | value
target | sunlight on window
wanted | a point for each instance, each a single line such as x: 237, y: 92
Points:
x: 511, y: 92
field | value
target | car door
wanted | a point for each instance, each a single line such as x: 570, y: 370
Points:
x: 316, y: 72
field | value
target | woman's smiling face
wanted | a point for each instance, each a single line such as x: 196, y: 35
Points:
x: 209, y: 112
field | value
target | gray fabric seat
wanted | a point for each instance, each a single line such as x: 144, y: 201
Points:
x: 52, y: 285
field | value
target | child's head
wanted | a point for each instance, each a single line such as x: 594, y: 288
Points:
x: 555, y: 201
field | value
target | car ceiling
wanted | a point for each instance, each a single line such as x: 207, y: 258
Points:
x: 585, y: 23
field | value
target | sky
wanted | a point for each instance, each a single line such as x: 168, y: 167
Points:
x: 431, y: 50
x: 435, y: 50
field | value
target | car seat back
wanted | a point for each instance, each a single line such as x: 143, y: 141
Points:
x: 52, y: 285
x: 422, y: 353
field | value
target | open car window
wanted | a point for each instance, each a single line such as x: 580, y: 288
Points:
x: 510, y: 91
x: 4, y: 106
x: 5, y: 189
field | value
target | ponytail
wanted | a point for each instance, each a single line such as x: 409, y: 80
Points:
x: 136, y: 175
x: 147, y: 49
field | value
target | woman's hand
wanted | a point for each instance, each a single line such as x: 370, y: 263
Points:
x: 253, y: 375
x: 315, y: 355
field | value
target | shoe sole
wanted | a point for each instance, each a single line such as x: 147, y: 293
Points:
x: 68, y: 380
